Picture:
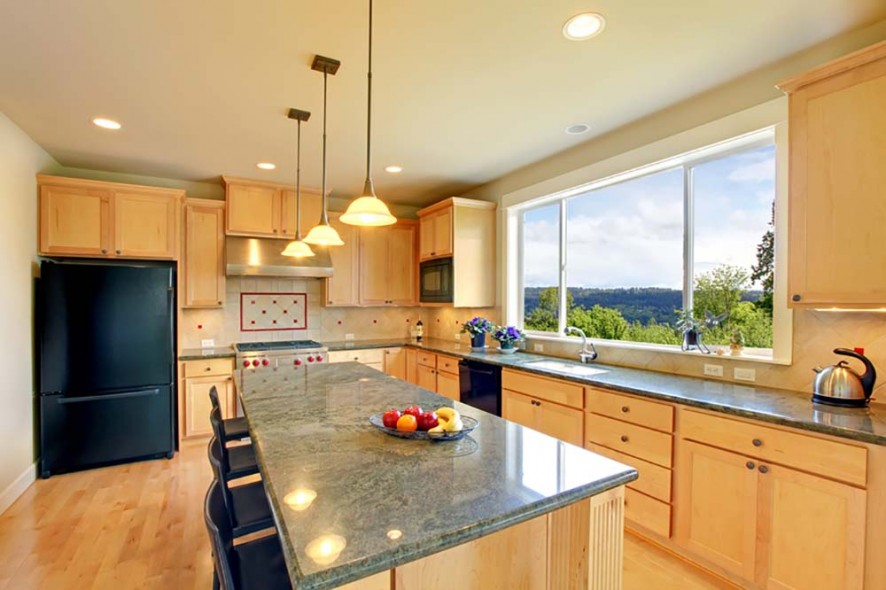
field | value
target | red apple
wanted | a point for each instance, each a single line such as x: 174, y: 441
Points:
x: 413, y: 410
x: 389, y: 418
x: 427, y: 420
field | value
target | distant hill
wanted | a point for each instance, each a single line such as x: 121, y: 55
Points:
x: 640, y: 304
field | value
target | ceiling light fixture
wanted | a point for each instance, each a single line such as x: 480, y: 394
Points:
x: 107, y: 124
x: 368, y: 209
x: 266, y: 166
x: 297, y: 248
x: 584, y: 26
x: 324, y: 234
x: 578, y: 129
x: 394, y: 169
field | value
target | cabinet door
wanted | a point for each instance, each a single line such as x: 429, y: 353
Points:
x: 426, y: 377
x: 519, y: 408
x: 561, y: 422
x: 198, y: 406
x: 395, y: 362
x: 401, y: 265
x: 311, y: 206
x: 837, y: 177
x: 442, y: 233
x: 448, y: 386
x: 412, y: 366
x: 253, y: 210
x: 374, y: 287
x: 342, y: 288
x: 717, y: 506
x: 75, y: 221
x: 204, y: 255
x: 812, y: 531
x: 145, y: 225
x: 426, y: 237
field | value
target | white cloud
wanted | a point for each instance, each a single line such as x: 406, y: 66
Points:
x: 762, y: 171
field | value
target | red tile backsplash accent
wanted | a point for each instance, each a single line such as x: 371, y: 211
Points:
x: 266, y: 309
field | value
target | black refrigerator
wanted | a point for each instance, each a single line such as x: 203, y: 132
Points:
x: 106, y: 363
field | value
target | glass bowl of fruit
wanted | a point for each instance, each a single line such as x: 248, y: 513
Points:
x: 444, y: 423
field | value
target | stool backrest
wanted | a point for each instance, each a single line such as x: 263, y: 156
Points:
x: 213, y: 397
x: 213, y: 452
x: 218, y: 429
x: 221, y: 536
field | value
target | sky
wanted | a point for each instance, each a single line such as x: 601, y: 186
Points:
x: 631, y: 234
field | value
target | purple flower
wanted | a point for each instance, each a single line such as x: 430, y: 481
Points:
x: 477, y: 326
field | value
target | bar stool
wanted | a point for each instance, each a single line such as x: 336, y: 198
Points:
x: 237, y: 461
x: 246, y: 505
x: 257, y: 564
x: 234, y: 428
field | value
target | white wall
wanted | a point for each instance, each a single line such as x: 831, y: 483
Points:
x: 20, y: 160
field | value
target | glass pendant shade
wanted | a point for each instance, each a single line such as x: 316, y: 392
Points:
x: 323, y: 235
x: 298, y: 249
x: 368, y: 211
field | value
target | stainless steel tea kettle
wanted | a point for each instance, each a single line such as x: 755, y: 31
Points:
x: 839, y: 385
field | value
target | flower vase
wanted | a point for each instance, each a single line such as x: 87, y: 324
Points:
x: 478, y: 342
x: 507, y: 348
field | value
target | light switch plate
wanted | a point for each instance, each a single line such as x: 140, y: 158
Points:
x: 457, y: 336
x: 538, y: 348
x: 207, y: 343
x: 745, y: 374
x: 713, y: 370
x: 349, y: 336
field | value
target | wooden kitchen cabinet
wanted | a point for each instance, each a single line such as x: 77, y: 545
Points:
x: 395, y: 362
x: 264, y: 209
x: 566, y: 424
x: 387, y: 265
x: 448, y: 385
x: 435, y: 232
x: 342, y: 288
x: 837, y: 125
x: 371, y: 357
x: 199, y: 378
x: 311, y: 208
x: 412, y: 366
x: 426, y: 377
x: 204, y: 255
x: 107, y: 220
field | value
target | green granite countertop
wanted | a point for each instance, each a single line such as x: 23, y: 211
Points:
x: 777, y: 406
x: 198, y: 354
x: 388, y: 500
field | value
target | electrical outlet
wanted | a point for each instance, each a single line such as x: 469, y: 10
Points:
x: 349, y: 336
x: 745, y: 374
x: 538, y: 348
x: 713, y: 370
x: 458, y: 336
x: 207, y: 343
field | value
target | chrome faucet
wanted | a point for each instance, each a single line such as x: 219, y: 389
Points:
x: 584, y: 355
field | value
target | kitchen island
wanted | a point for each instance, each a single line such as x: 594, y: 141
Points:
x: 505, y: 507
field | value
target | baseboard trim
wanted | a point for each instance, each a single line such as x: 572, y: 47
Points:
x: 18, y: 487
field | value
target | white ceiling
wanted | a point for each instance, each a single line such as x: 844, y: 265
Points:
x: 465, y: 90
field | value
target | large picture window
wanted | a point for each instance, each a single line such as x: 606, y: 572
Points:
x: 622, y: 258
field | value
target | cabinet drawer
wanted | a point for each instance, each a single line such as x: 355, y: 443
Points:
x: 648, y: 512
x: 560, y: 392
x: 366, y: 356
x: 427, y: 359
x: 630, y: 409
x: 808, y: 453
x: 447, y: 364
x: 630, y: 439
x: 207, y: 367
x: 654, y: 480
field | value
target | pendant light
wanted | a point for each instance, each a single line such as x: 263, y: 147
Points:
x: 297, y: 248
x: 368, y: 209
x: 324, y: 234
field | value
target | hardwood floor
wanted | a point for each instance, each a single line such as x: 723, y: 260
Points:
x: 141, y: 526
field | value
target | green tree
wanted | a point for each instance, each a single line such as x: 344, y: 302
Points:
x: 719, y: 290
x: 598, y: 322
x: 764, y: 271
x: 544, y: 318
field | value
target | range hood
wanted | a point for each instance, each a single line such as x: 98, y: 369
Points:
x: 260, y: 257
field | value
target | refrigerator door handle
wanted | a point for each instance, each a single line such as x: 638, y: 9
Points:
x: 95, y: 398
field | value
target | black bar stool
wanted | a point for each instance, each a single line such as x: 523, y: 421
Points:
x: 236, y: 461
x: 234, y: 428
x: 247, y: 505
x: 257, y: 564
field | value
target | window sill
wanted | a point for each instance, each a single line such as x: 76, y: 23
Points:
x: 602, y: 345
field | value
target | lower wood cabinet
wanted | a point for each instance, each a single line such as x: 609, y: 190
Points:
x: 426, y: 377
x: 566, y: 424
x: 199, y: 378
x: 395, y: 362
x: 371, y: 357
x: 412, y: 366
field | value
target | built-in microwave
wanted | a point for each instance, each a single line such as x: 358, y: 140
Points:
x: 435, y: 278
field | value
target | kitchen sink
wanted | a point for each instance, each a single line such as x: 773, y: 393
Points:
x: 566, y: 367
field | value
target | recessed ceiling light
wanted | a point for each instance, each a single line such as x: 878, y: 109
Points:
x: 107, y: 123
x: 578, y: 129
x: 266, y: 165
x: 394, y: 169
x: 584, y: 26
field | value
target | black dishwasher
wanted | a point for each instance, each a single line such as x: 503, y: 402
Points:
x: 480, y: 385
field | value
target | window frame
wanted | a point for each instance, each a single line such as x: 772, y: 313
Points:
x: 768, y: 135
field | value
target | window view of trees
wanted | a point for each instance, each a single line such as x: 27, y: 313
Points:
x: 624, y: 255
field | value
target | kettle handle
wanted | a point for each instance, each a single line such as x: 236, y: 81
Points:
x: 870, y: 374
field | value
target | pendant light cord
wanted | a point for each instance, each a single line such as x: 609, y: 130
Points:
x: 298, y: 185
x: 324, y: 220
x: 369, y: 105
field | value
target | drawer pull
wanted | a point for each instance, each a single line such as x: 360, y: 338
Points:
x: 750, y: 464
x: 625, y: 409
x: 764, y: 469
x: 624, y: 438
x: 757, y: 442
x: 208, y: 369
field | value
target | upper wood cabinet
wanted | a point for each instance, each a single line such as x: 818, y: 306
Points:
x: 837, y: 126
x: 105, y: 219
x: 387, y: 265
x: 204, y: 255
x: 264, y: 209
x: 342, y: 288
x: 465, y: 230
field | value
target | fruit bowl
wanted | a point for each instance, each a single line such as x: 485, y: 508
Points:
x: 469, y: 425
